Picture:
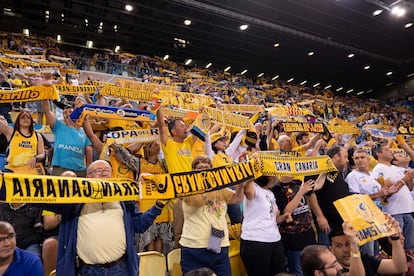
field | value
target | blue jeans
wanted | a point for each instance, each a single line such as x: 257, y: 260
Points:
x: 193, y: 258
x: 35, y: 249
x: 294, y: 262
x: 120, y: 269
x: 407, y: 225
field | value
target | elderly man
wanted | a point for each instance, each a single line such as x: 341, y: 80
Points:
x: 97, y: 238
x: 15, y: 261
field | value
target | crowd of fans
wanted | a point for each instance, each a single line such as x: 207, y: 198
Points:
x: 283, y: 218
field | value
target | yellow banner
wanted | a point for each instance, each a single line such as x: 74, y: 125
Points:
x: 166, y: 186
x: 288, y: 111
x: 364, y: 215
x: 184, y: 100
x: 144, y: 86
x: 134, y: 136
x: 12, y: 61
x: 50, y: 64
x: 178, y: 112
x: 19, y: 188
x: 228, y: 118
x: 69, y: 71
x: 244, y: 108
x: 32, y: 93
x: 75, y: 89
x: 343, y: 129
x: 275, y: 164
x: 299, y: 127
x: 126, y: 93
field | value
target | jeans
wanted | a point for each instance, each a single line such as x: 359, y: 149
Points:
x: 120, y: 269
x: 35, y: 249
x: 294, y: 262
x: 193, y: 258
x: 262, y: 258
x: 407, y: 225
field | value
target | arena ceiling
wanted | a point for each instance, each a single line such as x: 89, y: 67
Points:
x: 344, y: 35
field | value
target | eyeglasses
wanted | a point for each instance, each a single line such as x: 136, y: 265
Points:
x: 333, y: 265
x: 9, y: 237
x: 100, y: 171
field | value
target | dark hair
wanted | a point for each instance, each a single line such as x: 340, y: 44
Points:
x: 204, y: 271
x: 300, y: 135
x: 333, y: 151
x: 17, y: 123
x: 262, y: 180
x: 171, y: 124
x: 310, y: 258
x: 377, y: 148
x: 335, y: 233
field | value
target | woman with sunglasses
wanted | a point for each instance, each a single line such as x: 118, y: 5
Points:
x: 25, y: 145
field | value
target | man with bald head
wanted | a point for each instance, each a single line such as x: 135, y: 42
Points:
x: 13, y: 260
x: 97, y: 238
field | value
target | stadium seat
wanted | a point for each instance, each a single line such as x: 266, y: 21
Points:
x: 173, y: 262
x: 237, y: 267
x: 152, y: 263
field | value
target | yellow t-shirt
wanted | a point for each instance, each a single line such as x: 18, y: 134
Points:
x: 166, y: 213
x: 221, y: 159
x: 197, y: 149
x: 201, y: 212
x: 178, y: 155
x: 22, y: 149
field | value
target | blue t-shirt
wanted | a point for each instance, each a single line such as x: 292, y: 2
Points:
x: 24, y: 263
x: 69, y: 148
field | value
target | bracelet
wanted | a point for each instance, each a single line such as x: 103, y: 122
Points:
x: 159, y: 205
x: 395, y: 237
x: 356, y: 255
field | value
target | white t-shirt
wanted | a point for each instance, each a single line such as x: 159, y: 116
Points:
x: 363, y: 183
x: 259, y: 223
x: 400, y: 202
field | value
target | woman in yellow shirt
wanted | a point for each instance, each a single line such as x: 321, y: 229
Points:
x: 25, y: 145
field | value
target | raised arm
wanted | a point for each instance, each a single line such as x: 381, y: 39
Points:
x: 96, y: 143
x: 304, y: 189
x: 162, y: 127
x: 50, y: 117
x: 6, y: 129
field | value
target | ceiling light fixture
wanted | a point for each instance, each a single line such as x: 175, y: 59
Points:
x: 188, y: 61
x: 303, y: 82
x: 128, y: 7
x: 367, y: 67
x: 389, y: 84
x: 243, y: 72
x: 260, y: 75
x: 291, y: 79
x: 89, y: 43
x: 244, y: 27
x: 389, y: 73
x: 59, y: 37
x: 377, y: 12
x: 26, y: 32
x: 351, y: 55
x: 349, y: 91
x: 227, y: 68
x: 369, y: 91
x: 311, y: 53
x: 410, y: 75
x: 360, y: 93
x: 166, y: 57
x: 398, y: 11
x: 117, y: 48
x: 339, y: 89
x: 316, y: 84
x: 209, y: 65
x: 328, y: 86
x: 408, y: 25
x: 187, y: 22
x: 275, y: 77
x: 276, y: 45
